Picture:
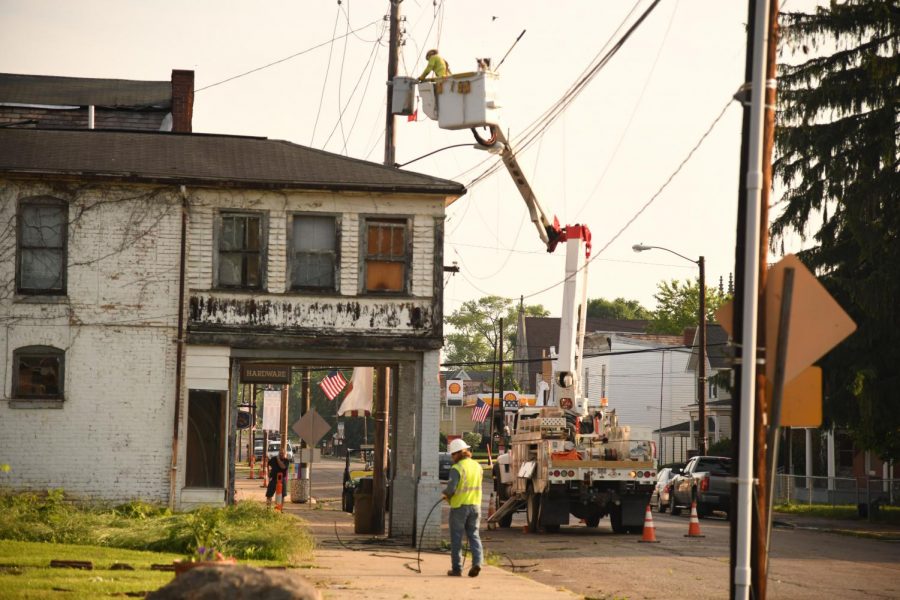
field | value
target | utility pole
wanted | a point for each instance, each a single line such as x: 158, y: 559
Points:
x: 701, y: 364
x: 762, y: 418
x: 390, y: 138
x: 500, y: 391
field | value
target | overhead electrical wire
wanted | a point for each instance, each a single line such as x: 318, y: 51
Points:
x: 549, y: 117
x: 286, y: 58
x: 339, y: 123
x: 549, y: 111
x: 325, y: 82
x: 365, y: 91
x: 634, y: 110
x: 340, y: 87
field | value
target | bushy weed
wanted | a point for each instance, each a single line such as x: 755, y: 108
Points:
x: 246, y: 530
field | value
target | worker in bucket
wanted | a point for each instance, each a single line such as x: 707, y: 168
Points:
x: 436, y: 65
x: 463, y: 492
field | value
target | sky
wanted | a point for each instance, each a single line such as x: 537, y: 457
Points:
x: 609, y: 153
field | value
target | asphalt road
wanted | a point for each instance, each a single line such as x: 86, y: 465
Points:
x: 598, y: 564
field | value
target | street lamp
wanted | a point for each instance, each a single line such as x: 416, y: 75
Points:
x: 701, y: 364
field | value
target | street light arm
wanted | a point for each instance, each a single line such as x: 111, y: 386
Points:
x: 641, y: 248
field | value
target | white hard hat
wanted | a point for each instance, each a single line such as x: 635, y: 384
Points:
x: 456, y: 445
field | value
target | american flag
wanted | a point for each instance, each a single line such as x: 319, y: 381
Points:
x: 480, y: 412
x: 332, y: 384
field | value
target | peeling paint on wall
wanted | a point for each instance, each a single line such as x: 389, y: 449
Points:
x: 395, y: 317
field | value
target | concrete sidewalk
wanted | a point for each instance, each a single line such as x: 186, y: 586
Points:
x: 350, y: 566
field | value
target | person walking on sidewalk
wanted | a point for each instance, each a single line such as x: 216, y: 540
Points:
x: 463, y: 492
x: 277, y: 464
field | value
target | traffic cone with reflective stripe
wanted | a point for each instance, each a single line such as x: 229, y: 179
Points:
x: 649, y: 536
x: 279, y: 493
x: 492, y: 508
x: 694, y: 526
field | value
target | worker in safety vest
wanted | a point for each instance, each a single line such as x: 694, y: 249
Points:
x: 436, y: 65
x: 463, y: 492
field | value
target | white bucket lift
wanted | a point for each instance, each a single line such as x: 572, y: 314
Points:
x: 460, y: 101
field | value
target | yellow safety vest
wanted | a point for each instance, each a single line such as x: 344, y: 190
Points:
x: 468, y: 490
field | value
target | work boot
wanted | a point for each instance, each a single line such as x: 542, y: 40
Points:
x: 453, y: 573
x: 474, y: 571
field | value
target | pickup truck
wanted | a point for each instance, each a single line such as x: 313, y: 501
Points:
x: 704, y: 478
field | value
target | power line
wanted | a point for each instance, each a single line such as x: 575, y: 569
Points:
x: 592, y: 355
x: 325, y: 82
x: 286, y: 58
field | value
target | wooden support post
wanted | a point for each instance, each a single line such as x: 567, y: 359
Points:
x: 379, y: 495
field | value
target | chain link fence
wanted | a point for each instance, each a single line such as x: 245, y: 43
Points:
x: 866, y: 493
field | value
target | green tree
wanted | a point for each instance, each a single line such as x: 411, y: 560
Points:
x: 836, y: 158
x: 620, y: 308
x: 678, y: 306
x: 475, y: 327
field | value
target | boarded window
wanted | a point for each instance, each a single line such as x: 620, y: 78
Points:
x: 314, y: 252
x: 38, y: 373
x: 240, y: 251
x: 42, y: 247
x: 386, y: 255
x: 205, y: 453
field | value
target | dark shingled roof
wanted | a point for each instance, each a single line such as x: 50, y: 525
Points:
x: 212, y: 160
x: 83, y: 91
x: 716, y: 348
x: 543, y: 332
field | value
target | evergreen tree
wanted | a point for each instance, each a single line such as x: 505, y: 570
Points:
x: 836, y: 157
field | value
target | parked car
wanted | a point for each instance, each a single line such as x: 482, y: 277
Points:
x: 258, y: 449
x: 705, y: 478
x: 445, y: 463
x: 660, y: 496
x: 275, y: 446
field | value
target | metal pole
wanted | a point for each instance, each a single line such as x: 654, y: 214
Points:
x: 662, y: 377
x: 701, y: 365
x: 390, y: 138
x: 500, y: 378
x: 744, y: 516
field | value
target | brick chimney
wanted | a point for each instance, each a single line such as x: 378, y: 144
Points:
x: 182, y: 100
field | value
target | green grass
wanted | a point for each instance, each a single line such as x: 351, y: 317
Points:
x: 887, y: 514
x: 25, y: 571
x: 245, y: 531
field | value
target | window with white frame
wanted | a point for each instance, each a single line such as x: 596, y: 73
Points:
x: 41, y: 246
x: 314, y: 252
x: 386, y: 255
x: 240, y: 262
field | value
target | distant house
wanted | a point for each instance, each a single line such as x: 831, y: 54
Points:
x: 643, y: 378
x: 542, y: 334
x: 48, y: 102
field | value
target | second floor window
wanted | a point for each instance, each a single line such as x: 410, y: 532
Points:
x: 386, y: 255
x: 313, y: 252
x: 41, y: 264
x: 240, y: 251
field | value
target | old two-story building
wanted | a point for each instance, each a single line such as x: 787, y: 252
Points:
x: 142, y: 269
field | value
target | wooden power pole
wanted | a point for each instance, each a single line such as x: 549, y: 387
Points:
x: 390, y: 138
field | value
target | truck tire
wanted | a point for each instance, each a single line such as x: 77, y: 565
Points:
x: 592, y: 521
x: 533, y: 509
x: 506, y: 521
x: 615, y: 519
x: 673, y: 508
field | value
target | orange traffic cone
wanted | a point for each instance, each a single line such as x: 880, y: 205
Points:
x: 492, y: 508
x: 694, y: 526
x: 649, y: 536
x: 279, y: 494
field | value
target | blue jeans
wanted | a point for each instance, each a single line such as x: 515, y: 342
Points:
x: 464, y: 520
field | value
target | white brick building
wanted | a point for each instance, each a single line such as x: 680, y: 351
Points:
x: 125, y: 251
